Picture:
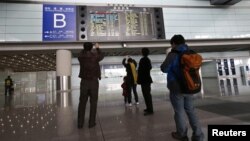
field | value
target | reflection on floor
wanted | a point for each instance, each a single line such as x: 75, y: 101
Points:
x: 52, y: 116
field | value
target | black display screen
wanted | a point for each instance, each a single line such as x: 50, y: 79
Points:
x: 123, y: 24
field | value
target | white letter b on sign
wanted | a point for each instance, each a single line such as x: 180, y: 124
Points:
x: 59, y: 21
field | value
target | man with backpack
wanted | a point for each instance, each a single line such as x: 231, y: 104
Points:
x: 182, y: 102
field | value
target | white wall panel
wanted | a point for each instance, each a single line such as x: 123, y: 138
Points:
x: 2, y: 37
x: 200, y: 11
x: 2, y: 14
x: 221, y: 23
x: 25, y: 0
x: 147, y: 2
x: 197, y: 35
x: 242, y: 17
x: 223, y: 11
x: 175, y: 17
x: 178, y: 29
x: 242, y: 11
x: 236, y: 29
x: 185, y: 34
x: 230, y: 22
x: 168, y: 35
x: 201, y: 29
x: 174, y: 10
x: 2, y: 22
x: 175, y: 2
x: 199, y: 17
x: 222, y: 17
x: 244, y: 28
x: 23, y: 37
x: 172, y: 23
x: 245, y: 22
x: 24, y: 22
x: 2, y: 6
x: 60, y: 1
x: 240, y: 34
x: 23, y: 29
x: 197, y: 2
x: 98, y: 2
x: 2, y: 29
x: 131, y: 2
x: 209, y: 69
x: 204, y: 23
x: 24, y: 14
x: 24, y: 7
x: 222, y: 29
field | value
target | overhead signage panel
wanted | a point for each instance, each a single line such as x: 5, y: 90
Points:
x: 120, y: 24
x: 59, y: 23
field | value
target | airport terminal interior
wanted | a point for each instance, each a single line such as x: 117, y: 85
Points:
x: 40, y: 109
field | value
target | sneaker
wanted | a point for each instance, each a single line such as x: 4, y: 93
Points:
x: 129, y: 104
x: 137, y: 103
x: 176, y: 136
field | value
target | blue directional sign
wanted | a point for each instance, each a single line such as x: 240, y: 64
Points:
x: 59, y: 23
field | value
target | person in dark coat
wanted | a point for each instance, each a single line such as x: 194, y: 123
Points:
x: 89, y: 73
x: 8, y: 85
x: 144, y: 78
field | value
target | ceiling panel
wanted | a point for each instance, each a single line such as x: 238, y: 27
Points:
x: 28, y: 57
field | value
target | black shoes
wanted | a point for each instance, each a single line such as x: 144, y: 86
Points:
x: 80, y: 126
x: 176, y: 136
x: 92, y: 125
x: 147, y: 112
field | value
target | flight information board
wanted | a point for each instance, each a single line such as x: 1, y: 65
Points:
x: 103, y: 24
x: 112, y: 24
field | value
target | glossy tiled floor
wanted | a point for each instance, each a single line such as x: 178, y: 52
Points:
x: 51, y: 116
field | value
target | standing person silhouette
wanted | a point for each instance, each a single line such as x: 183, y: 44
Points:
x: 131, y: 79
x: 181, y: 103
x: 144, y: 78
x: 134, y: 88
x: 8, y: 85
x: 89, y: 73
x: 125, y: 90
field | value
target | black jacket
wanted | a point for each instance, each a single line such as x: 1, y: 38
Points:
x: 144, y: 76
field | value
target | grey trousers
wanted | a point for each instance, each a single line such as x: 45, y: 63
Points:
x: 88, y: 89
